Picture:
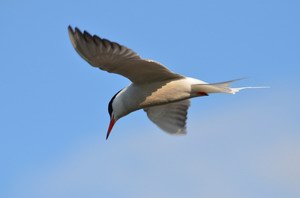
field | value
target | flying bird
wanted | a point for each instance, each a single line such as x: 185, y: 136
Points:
x: 162, y: 94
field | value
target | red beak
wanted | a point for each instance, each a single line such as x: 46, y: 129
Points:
x: 111, y: 125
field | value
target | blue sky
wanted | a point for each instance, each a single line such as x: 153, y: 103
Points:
x: 54, y: 105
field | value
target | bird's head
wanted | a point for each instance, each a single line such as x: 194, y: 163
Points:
x: 113, y: 111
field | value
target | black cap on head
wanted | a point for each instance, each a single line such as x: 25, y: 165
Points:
x: 110, y: 108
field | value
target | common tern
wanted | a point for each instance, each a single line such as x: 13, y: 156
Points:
x: 162, y: 94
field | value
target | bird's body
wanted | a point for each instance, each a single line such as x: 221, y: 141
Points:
x: 162, y: 94
x: 152, y: 94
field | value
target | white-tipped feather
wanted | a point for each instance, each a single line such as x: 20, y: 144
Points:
x: 235, y: 90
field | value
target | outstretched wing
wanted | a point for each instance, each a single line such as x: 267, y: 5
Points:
x: 115, y: 58
x: 170, y: 117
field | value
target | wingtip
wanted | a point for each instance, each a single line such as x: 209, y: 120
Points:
x: 74, y: 30
x: 70, y: 29
x: 71, y: 34
x: 77, y: 30
x: 180, y: 132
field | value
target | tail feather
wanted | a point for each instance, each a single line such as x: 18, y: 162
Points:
x: 235, y: 90
x: 221, y: 87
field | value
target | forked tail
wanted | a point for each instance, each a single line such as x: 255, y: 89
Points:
x: 221, y: 87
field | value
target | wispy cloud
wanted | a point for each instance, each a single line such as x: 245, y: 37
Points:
x: 279, y: 165
x: 240, y: 152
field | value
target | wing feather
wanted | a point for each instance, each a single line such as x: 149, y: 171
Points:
x: 115, y: 58
x: 170, y: 117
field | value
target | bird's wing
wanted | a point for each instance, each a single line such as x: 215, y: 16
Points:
x: 170, y: 117
x: 115, y: 58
